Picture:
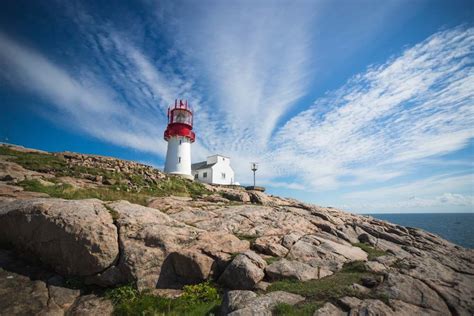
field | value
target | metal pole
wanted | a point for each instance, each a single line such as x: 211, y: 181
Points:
x: 254, y: 179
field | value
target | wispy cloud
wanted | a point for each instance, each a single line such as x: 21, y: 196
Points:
x: 381, y: 122
x: 246, y: 67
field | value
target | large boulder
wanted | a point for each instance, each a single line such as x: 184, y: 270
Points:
x: 236, y: 195
x: 147, y: 238
x: 286, y: 269
x: 325, y: 253
x: 270, y: 245
x: 410, y: 290
x: 244, y: 272
x: 191, y: 265
x: 72, y: 237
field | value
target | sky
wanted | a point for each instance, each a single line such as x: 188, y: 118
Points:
x: 362, y: 105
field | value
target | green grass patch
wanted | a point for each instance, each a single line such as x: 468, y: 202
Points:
x: 317, y: 292
x: 371, y: 251
x: 67, y: 191
x: 199, y: 299
x: 141, y: 187
x: 35, y: 161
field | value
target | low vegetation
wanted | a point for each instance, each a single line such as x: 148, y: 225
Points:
x: 67, y: 191
x: 371, y: 251
x: 199, y: 299
x: 118, y: 185
x: 317, y: 292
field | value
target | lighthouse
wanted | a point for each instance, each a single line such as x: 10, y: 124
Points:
x: 179, y: 136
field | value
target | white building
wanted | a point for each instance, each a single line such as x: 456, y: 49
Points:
x: 215, y: 170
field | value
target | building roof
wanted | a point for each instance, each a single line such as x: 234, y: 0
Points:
x: 201, y: 165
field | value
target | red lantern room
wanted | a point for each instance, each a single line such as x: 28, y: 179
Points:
x: 180, y: 121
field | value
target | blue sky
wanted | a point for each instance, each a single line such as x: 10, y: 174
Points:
x: 364, y: 105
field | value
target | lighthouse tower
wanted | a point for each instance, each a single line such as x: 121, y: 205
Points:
x: 179, y: 136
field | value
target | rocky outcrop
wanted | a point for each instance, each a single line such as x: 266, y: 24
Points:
x: 227, y: 236
x: 244, y: 272
x: 248, y: 303
x: 285, y: 269
x: 73, y: 237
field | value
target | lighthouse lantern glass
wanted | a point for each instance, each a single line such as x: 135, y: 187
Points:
x: 182, y: 116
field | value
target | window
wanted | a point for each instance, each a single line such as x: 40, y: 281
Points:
x: 179, y: 159
x: 196, y: 176
x: 223, y: 159
x: 223, y: 175
x: 180, y: 141
x: 204, y: 175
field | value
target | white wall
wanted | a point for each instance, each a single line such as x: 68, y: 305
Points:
x: 201, y: 172
x: 215, y: 173
x: 223, y: 168
x: 178, y: 147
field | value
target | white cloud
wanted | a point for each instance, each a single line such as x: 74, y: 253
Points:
x: 381, y: 122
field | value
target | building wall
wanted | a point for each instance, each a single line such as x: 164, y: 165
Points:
x: 200, y: 174
x: 178, y: 156
x: 222, y: 173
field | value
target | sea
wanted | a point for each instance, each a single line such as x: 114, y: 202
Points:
x: 455, y: 227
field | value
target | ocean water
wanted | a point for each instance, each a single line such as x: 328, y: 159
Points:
x: 457, y: 227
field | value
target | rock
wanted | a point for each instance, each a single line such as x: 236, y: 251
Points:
x: 234, y: 195
x: 21, y: 296
x: 375, y: 266
x: 147, y: 238
x: 348, y: 302
x: 285, y: 269
x: 329, y: 309
x: 262, y: 285
x: 370, y: 281
x: 405, y: 288
x: 91, y: 305
x: 289, y: 240
x: 244, y: 272
x: 321, y: 252
x: 270, y: 246
x: 258, y: 197
x: 264, y: 304
x: 63, y: 297
x: 237, y: 299
x: 73, y: 237
x: 366, y: 238
x: 360, y: 288
x: 371, y: 307
x: 191, y: 265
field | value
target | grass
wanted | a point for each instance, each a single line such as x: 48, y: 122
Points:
x: 317, y: 292
x: 67, y: 191
x: 371, y: 251
x: 140, y: 190
x: 35, y: 161
x: 199, y: 299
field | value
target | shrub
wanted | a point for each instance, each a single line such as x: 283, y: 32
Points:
x: 199, y: 299
x: 203, y: 292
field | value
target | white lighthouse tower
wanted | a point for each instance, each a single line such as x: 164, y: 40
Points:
x: 179, y: 136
